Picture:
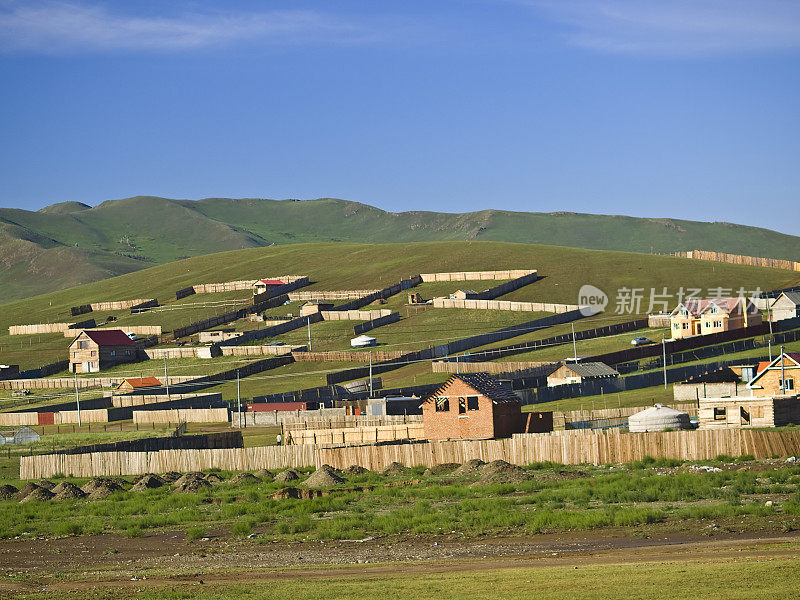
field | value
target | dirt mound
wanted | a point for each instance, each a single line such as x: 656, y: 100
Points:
x: 214, y: 478
x: 499, y: 471
x: 331, y: 469
x: 244, y: 478
x: 171, y: 476
x: 296, y: 494
x: 355, y: 470
x: 394, y: 469
x: 98, y: 482
x: 193, y: 476
x: 46, y: 484
x: 287, y: 475
x: 7, y: 492
x: 442, y: 469
x: 104, y: 490
x: 25, y: 490
x: 322, y: 478
x: 191, y: 486
x: 471, y: 467
x: 66, y: 491
x: 265, y: 475
x: 148, y: 482
x: 39, y: 493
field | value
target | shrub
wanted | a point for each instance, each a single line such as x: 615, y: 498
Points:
x: 133, y: 531
x: 195, y: 533
x: 242, y: 528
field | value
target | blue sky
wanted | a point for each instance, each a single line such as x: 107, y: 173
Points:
x: 674, y: 108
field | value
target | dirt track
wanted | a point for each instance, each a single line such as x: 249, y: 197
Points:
x: 112, y: 562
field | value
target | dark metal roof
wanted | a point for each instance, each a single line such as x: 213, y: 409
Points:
x: 110, y: 337
x: 592, y: 369
x: 483, y: 383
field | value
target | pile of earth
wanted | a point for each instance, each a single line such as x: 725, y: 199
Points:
x: 190, y: 486
x: 442, y: 469
x: 469, y: 468
x: 171, y: 476
x: 147, y: 482
x: 39, y: 493
x: 322, y: 478
x: 244, y: 478
x: 354, y: 470
x: 107, y: 483
x: 214, y: 478
x: 499, y: 471
x: 287, y: 476
x: 67, y: 491
x: 25, y: 490
x: 7, y: 492
x: 394, y: 469
x: 46, y: 484
x: 265, y: 475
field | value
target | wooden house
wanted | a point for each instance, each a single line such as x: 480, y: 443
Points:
x: 579, y: 372
x: 712, y: 315
x: 95, y: 350
x: 463, y: 295
x: 138, y: 385
x: 263, y: 286
x: 744, y: 412
x: 777, y: 378
x: 472, y: 406
x: 785, y: 306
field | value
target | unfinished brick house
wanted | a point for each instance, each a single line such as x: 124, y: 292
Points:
x: 777, y: 378
x: 745, y: 412
x: 93, y: 351
x: 478, y: 406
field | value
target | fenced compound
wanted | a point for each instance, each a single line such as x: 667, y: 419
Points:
x: 290, y: 282
x: 570, y: 447
x: 182, y: 415
x: 356, y: 435
x: 475, y: 275
x: 504, y: 305
x: 739, y: 259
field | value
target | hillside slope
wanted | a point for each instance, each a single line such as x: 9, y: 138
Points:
x: 75, y: 243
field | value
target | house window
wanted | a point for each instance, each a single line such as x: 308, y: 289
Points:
x: 717, y: 323
x: 472, y: 403
x: 676, y: 326
x: 719, y: 414
x: 442, y: 404
x: 744, y: 415
x: 462, y: 406
x: 83, y: 345
x: 686, y: 326
x: 113, y: 353
x: 757, y: 412
x: 787, y: 384
x: 127, y: 352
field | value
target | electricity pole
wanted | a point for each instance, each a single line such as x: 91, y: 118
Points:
x: 166, y: 376
x: 309, y: 334
x: 77, y: 399
x: 370, y: 373
x: 664, y: 346
x: 238, y: 398
x: 574, y: 345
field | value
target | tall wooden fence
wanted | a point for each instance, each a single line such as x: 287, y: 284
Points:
x: 137, y: 329
x: 570, y: 447
x: 290, y: 282
x: 740, y: 259
x: 354, y: 315
x: 266, y: 350
x: 504, y: 305
x: 182, y: 415
x: 356, y: 435
x: 331, y: 295
x: 475, y: 275
x: 65, y: 328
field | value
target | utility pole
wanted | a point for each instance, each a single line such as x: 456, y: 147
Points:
x: 77, y: 399
x: 769, y: 343
x: 309, y: 334
x: 574, y: 345
x: 664, y: 346
x: 166, y: 376
x: 783, y: 375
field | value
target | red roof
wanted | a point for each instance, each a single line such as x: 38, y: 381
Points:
x: 143, y: 382
x: 110, y: 337
x: 270, y: 281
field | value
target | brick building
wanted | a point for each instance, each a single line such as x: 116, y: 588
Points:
x: 779, y: 377
x: 477, y: 406
x: 92, y: 351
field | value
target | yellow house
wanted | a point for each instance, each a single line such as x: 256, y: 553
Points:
x: 712, y: 315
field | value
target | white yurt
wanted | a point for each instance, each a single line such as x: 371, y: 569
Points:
x: 658, y: 418
x: 363, y: 341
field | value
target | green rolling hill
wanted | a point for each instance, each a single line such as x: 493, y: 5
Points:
x: 71, y: 243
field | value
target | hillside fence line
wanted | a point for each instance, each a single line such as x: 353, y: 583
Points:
x: 139, y: 304
x: 330, y: 295
x: 348, y: 356
x: 133, y: 400
x: 182, y: 415
x: 504, y: 305
x: 475, y: 275
x: 441, y: 366
x: 294, y: 281
x: 301, y: 421
x: 265, y: 350
x: 392, y: 317
x: 49, y: 328
x: 569, y: 447
x: 740, y: 259
x: 69, y: 382
x: 137, y: 329
x: 354, y: 315
x: 356, y: 435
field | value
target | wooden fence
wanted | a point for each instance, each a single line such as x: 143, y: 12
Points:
x: 348, y: 356
x: 354, y: 315
x: 127, y: 400
x: 121, y: 304
x: 475, y: 275
x: 439, y: 366
x: 332, y: 295
x: 504, y: 305
x: 259, y: 350
x: 65, y: 328
x: 69, y: 382
x: 356, y: 435
x: 740, y: 259
x: 571, y: 447
x: 297, y: 423
x: 138, y: 330
x: 182, y: 415
x: 234, y: 286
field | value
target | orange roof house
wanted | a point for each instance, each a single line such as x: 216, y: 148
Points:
x: 134, y: 384
x: 712, y: 315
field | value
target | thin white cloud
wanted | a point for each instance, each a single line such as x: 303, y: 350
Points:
x: 677, y: 27
x: 57, y: 26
